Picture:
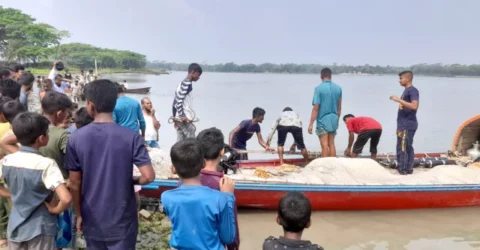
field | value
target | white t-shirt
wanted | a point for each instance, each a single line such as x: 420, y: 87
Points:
x: 150, y: 132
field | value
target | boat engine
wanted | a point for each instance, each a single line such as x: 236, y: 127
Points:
x: 229, y: 160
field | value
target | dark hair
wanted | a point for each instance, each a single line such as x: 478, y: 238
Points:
x: 103, y: 95
x: 347, y: 116
x: 82, y: 118
x: 28, y: 126
x: 287, y: 109
x: 187, y: 158
x: 3, y: 100
x: 4, y: 73
x: 119, y: 87
x: 26, y: 79
x: 19, y: 67
x: 212, y: 142
x: 195, y: 68
x: 294, y: 211
x: 406, y: 72
x: 11, y: 109
x: 54, y: 101
x: 258, y: 112
x: 47, y: 80
x: 326, y: 72
x: 10, y: 88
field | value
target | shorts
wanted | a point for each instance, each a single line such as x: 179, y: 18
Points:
x: 128, y: 243
x: 295, y: 131
x: 66, y: 230
x: 322, y: 132
x: 373, y: 135
x: 152, y: 144
x: 40, y: 242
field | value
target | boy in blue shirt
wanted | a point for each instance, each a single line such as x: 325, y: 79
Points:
x: 202, y: 218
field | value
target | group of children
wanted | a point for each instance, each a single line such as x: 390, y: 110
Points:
x: 202, y: 208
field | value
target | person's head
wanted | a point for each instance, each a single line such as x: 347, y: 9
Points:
x: 347, y: 117
x: 125, y: 81
x: 406, y: 78
x: 187, y: 158
x: 101, y: 96
x: 4, y: 73
x: 67, y: 121
x: 58, y: 80
x: 82, y: 118
x: 74, y: 106
x: 194, y: 72
x: 11, y: 109
x: 56, y: 105
x: 26, y: 80
x: 31, y: 129
x: 76, y: 82
x: 47, y: 84
x: 212, y: 142
x: 10, y: 88
x: 90, y: 71
x: 19, y: 69
x: 81, y: 71
x: 258, y: 114
x: 146, y: 104
x: 294, y: 211
x: 287, y: 109
x: 326, y: 74
x: 120, y: 88
x: 3, y: 100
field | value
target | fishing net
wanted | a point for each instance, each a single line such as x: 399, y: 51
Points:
x: 338, y: 171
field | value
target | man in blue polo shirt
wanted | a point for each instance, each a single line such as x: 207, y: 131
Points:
x: 327, y: 106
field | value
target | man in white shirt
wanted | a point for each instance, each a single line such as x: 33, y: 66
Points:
x: 288, y: 122
x: 125, y: 84
x: 59, y: 83
x: 152, y: 125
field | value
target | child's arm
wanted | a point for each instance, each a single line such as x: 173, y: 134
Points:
x: 4, y: 192
x: 141, y: 159
x: 9, y: 144
x: 227, y: 228
x: 64, y: 199
x: 53, y: 180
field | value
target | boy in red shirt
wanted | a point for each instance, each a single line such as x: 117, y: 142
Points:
x: 367, y: 129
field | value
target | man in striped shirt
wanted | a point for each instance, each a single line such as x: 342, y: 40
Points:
x: 182, y: 104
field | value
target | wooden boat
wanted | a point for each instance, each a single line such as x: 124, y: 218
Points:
x: 342, y: 197
x: 138, y: 90
x: 354, y: 197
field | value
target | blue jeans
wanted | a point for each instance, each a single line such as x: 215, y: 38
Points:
x: 152, y: 144
x: 405, y: 152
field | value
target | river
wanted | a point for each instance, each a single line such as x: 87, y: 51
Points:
x: 222, y: 100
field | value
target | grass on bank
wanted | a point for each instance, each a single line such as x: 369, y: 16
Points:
x: 45, y: 71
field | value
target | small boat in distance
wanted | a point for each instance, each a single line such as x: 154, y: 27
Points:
x: 138, y: 91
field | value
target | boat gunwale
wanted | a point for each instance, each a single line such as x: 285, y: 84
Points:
x: 285, y: 187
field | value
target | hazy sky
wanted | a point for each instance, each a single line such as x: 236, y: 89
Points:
x: 395, y: 32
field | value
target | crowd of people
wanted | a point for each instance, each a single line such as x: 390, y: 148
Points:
x: 54, y: 167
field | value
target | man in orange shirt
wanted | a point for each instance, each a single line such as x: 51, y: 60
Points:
x: 367, y: 129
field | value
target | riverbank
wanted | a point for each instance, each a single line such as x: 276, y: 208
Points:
x: 46, y: 71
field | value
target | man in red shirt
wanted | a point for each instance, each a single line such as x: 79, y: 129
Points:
x: 367, y: 129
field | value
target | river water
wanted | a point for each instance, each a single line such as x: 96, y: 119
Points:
x: 222, y: 100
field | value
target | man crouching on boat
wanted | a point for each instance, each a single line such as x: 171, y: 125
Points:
x: 183, y: 114
x: 288, y: 122
x: 367, y: 129
x: 244, y: 131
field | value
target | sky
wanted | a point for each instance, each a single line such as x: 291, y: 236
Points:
x: 375, y: 32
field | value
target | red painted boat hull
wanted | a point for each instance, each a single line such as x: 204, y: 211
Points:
x: 335, y: 197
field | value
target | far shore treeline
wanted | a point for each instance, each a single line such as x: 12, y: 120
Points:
x: 24, y: 40
x: 420, y: 69
x: 36, y: 45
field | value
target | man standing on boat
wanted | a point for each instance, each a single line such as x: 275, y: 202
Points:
x: 407, y: 123
x: 288, y: 122
x: 244, y: 131
x: 183, y: 114
x: 367, y: 129
x: 327, y: 106
x: 152, y: 125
